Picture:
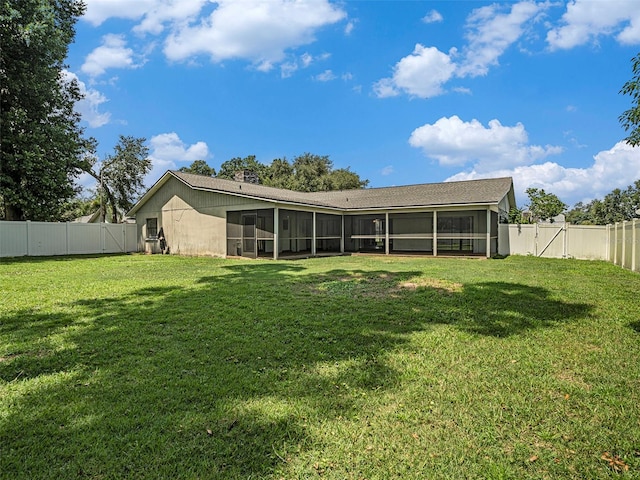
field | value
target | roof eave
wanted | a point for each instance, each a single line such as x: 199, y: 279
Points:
x: 149, y: 193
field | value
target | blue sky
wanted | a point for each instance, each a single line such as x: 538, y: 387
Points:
x: 400, y: 92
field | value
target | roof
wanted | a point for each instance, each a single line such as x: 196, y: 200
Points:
x: 471, y: 192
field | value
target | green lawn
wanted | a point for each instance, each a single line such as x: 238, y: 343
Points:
x: 340, y: 368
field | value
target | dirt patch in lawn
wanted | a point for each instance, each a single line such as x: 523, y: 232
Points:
x: 387, y: 284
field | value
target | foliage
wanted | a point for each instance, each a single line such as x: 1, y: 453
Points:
x: 199, y: 167
x: 120, y: 176
x: 340, y: 368
x: 42, y: 144
x: 80, y: 207
x: 543, y: 205
x: 630, y: 119
x: 279, y: 174
x: 617, y: 206
x: 517, y: 215
x: 229, y: 168
x: 307, y: 173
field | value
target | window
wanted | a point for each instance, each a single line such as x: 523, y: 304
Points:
x: 152, y: 228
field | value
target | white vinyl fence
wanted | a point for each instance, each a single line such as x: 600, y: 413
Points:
x: 624, y: 244
x: 19, y: 239
x: 618, y: 243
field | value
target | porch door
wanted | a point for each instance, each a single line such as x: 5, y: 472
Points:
x: 249, y: 235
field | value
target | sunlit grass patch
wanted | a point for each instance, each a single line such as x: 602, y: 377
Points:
x: 340, y: 368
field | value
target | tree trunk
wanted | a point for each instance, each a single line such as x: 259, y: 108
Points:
x: 13, y: 213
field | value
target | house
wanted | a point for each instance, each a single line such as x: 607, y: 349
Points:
x: 199, y: 215
x: 93, y: 218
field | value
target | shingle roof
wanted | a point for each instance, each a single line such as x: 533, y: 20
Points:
x: 487, y: 191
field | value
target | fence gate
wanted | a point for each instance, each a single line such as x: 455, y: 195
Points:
x: 552, y: 240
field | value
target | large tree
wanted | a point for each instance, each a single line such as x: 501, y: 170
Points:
x: 630, y: 119
x: 41, y: 142
x: 311, y: 173
x: 121, y: 176
x: 237, y: 164
x: 617, y: 206
x: 307, y: 173
x: 199, y: 167
x: 543, y: 205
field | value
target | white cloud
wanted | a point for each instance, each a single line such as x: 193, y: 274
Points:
x: 452, y: 141
x: 388, y: 170
x: 169, y: 11
x: 152, y: 13
x: 421, y: 74
x: 614, y: 168
x: 585, y: 20
x: 325, y: 76
x: 491, y: 32
x: 88, y: 107
x: 113, y: 53
x: 349, y: 27
x: 305, y: 60
x: 100, y: 10
x: 167, y: 150
x: 433, y: 16
x: 254, y: 30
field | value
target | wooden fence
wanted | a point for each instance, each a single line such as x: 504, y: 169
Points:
x: 19, y: 239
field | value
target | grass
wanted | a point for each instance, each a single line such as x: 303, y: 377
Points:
x: 340, y: 368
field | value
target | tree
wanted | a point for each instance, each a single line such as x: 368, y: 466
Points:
x: 41, y: 143
x: 345, y: 179
x: 630, y: 119
x: 120, y: 176
x: 199, y: 167
x: 314, y: 173
x: 617, y: 206
x: 229, y: 168
x: 516, y: 215
x: 279, y: 174
x: 307, y: 173
x: 81, y: 206
x: 544, y: 206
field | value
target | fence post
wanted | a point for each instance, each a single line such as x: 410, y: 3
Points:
x: 624, y: 243
x: 66, y: 234
x: 102, y: 237
x: 615, y: 243
x: 634, y: 245
x: 28, y: 238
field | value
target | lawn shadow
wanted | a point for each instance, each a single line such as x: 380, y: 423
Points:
x: 223, y: 377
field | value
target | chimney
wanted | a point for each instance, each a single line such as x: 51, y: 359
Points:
x: 246, y: 176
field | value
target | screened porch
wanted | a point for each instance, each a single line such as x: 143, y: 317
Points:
x: 253, y: 233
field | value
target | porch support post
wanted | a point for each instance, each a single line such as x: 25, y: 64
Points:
x: 313, y: 236
x: 276, y: 231
x: 488, y: 232
x: 386, y: 233
x: 435, y: 233
x: 342, y: 234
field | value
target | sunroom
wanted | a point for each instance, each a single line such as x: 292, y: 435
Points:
x: 253, y: 233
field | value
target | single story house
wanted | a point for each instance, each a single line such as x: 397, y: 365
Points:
x: 198, y: 215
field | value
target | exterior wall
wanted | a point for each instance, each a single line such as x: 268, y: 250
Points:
x: 193, y: 221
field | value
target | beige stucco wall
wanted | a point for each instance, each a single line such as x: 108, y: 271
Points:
x: 193, y: 221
